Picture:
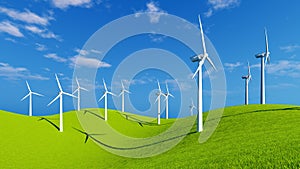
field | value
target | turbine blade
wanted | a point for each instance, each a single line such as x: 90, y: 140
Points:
x: 104, y: 85
x: 54, y: 99
x: 122, y: 92
x: 167, y: 87
x: 28, y: 87
x: 58, y: 83
x: 249, y: 72
x: 37, y: 94
x: 68, y: 94
x: 266, y: 41
x: 111, y: 93
x: 211, y: 63
x: 196, y: 72
x: 75, y: 91
x: 127, y: 91
x: 25, y: 97
x: 102, y: 97
x: 171, y: 95
x: 202, y: 35
x: 122, y: 85
x: 158, y: 86
x: 77, y: 82
x: 84, y: 89
x: 157, y: 98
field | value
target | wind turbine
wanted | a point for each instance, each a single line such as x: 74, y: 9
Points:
x: 30, y: 98
x: 159, y: 93
x: 60, y: 97
x: 192, y: 107
x: 105, y: 99
x: 78, y: 93
x: 265, y: 57
x: 123, y: 91
x: 201, y: 59
x: 167, y: 101
x: 247, y: 79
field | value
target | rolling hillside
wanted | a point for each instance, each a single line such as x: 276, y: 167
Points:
x: 255, y: 136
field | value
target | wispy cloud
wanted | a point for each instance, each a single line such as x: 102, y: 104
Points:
x: 44, y: 33
x: 63, y: 4
x: 55, y: 57
x: 232, y: 66
x: 40, y: 47
x: 88, y: 62
x: 153, y: 11
x: 26, y: 16
x: 15, y: 73
x: 7, y: 27
x: 284, y: 68
x: 290, y: 48
x: 216, y: 5
x: 156, y: 37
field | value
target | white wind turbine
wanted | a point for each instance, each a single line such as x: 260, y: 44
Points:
x: 60, y: 97
x: 247, y: 79
x: 159, y: 93
x: 105, y: 99
x: 167, y: 101
x: 123, y: 91
x: 265, y: 57
x: 192, y: 107
x: 201, y: 59
x: 30, y: 98
x: 78, y: 93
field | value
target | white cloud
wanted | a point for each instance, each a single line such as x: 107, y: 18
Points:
x: 220, y: 5
x: 290, y: 48
x: 232, y: 66
x: 11, y: 40
x: 157, y: 37
x: 284, y: 68
x: 96, y: 51
x: 26, y: 16
x: 88, y: 62
x: 63, y: 4
x: 153, y: 11
x: 40, y: 47
x: 14, y: 73
x: 54, y: 57
x: 44, y: 33
x: 7, y: 27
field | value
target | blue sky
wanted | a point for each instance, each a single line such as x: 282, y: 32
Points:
x: 42, y: 37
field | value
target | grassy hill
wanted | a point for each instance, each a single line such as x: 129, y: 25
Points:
x: 254, y: 136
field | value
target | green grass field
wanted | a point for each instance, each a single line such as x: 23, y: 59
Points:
x: 254, y: 136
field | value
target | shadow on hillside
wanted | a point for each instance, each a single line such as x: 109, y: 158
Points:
x: 50, y: 122
x: 93, y: 113
x: 131, y: 148
x: 87, y: 136
x: 258, y: 111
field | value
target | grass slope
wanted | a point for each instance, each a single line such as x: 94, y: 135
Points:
x: 254, y: 136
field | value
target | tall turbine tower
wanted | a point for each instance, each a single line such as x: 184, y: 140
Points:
x: 201, y: 59
x: 123, y: 91
x: 159, y: 93
x: 105, y: 99
x: 60, y: 96
x: 167, y: 100
x: 265, y: 57
x: 30, y: 98
x: 247, y: 79
x: 78, y: 93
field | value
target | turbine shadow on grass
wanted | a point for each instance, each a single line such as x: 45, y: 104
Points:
x: 93, y: 113
x: 50, y: 122
x: 130, y: 148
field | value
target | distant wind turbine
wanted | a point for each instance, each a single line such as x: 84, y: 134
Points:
x: 201, y: 59
x: 247, y: 79
x: 192, y: 107
x: 78, y: 93
x: 265, y: 58
x: 30, y: 98
x: 167, y: 100
x: 158, y: 94
x: 105, y: 99
x: 60, y: 97
x: 123, y: 91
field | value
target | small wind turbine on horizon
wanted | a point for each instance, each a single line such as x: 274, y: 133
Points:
x: 158, y: 94
x: 247, y: 79
x: 60, y: 97
x: 167, y: 100
x: 265, y: 58
x: 123, y: 91
x: 105, y: 99
x: 200, y: 58
x: 78, y: 93
x: 192, y: 107
x: 30, y: 97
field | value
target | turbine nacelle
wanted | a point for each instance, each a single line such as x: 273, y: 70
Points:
x: 198, y: 58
